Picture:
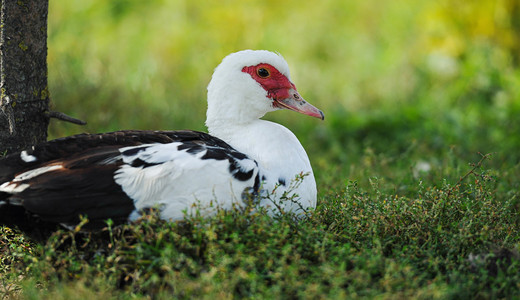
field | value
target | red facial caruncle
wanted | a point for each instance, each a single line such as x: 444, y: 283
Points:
x: 281, y: 89
x: 275, y: 83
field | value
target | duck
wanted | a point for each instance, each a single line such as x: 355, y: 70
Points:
x: 121, y: 175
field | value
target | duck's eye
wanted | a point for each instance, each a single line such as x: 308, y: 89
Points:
x: 263, y: 72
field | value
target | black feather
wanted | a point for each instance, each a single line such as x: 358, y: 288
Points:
x: 136, y: 163
x: 238, y: 173
x: 134, y: 151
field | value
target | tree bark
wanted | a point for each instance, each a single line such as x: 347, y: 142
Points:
x: 24, y: 95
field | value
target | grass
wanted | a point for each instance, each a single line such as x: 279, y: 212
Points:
x: 417, y: 161
x: 450, y: 240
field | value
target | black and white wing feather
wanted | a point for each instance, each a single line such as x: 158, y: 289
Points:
x: 116, y: 175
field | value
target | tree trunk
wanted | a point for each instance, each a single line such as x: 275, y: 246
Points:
x: 24, y: 96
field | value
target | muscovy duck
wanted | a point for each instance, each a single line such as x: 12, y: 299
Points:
x: 120, y: 174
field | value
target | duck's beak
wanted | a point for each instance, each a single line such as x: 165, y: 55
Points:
x: 296, y: 103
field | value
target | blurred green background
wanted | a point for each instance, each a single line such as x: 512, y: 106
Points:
x: 402, y: 82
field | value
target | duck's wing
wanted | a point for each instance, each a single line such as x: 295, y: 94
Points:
x: 114, y: 175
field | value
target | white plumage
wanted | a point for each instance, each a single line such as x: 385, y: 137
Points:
x: 181, y: 181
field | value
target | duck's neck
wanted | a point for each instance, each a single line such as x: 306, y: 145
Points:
x: 271, y: 144
x: 262, y: 140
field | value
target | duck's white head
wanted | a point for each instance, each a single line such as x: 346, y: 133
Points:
x: 248, y: 84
